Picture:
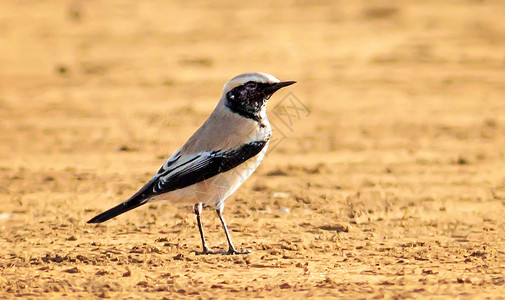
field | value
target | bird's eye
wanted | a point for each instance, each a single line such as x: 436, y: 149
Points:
x: 251, y: 85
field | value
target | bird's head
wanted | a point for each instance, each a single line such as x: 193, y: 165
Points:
x: 248, y: 93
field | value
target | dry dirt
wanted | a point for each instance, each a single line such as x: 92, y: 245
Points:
x: 387, y: 178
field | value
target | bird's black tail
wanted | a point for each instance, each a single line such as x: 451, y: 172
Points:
x: 132, y: 203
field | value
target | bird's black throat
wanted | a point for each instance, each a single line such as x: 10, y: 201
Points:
x: 244, y: 112
x: 248, y: 100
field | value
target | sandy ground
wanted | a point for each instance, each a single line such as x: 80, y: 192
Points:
x: 387, y: 178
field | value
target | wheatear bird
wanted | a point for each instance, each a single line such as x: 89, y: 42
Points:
x: 219, y: 156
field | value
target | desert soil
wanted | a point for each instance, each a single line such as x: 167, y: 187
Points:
x: 386, y: 178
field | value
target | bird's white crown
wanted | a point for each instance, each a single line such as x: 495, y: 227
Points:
x: 246, y: 77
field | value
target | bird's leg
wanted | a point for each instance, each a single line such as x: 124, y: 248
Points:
x: 231, y: 248
x: 198, y: 210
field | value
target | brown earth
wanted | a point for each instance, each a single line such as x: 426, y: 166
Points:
x: 393, y: 185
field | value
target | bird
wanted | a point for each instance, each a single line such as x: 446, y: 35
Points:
x: 217, y: 158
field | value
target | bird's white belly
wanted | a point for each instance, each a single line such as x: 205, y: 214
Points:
x: 213, y: 191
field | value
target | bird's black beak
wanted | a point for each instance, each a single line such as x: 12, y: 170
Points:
x: 277, y: 86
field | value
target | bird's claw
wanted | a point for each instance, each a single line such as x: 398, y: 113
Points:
x: 233, y: 251
x: 206, y: 251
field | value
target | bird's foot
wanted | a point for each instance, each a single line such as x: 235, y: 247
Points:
x: 206, y: 251
x: 233, y: 251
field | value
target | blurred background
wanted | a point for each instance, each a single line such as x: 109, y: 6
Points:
x: 387, y: 178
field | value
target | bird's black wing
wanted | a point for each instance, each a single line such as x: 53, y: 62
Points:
x: 181, y: 171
